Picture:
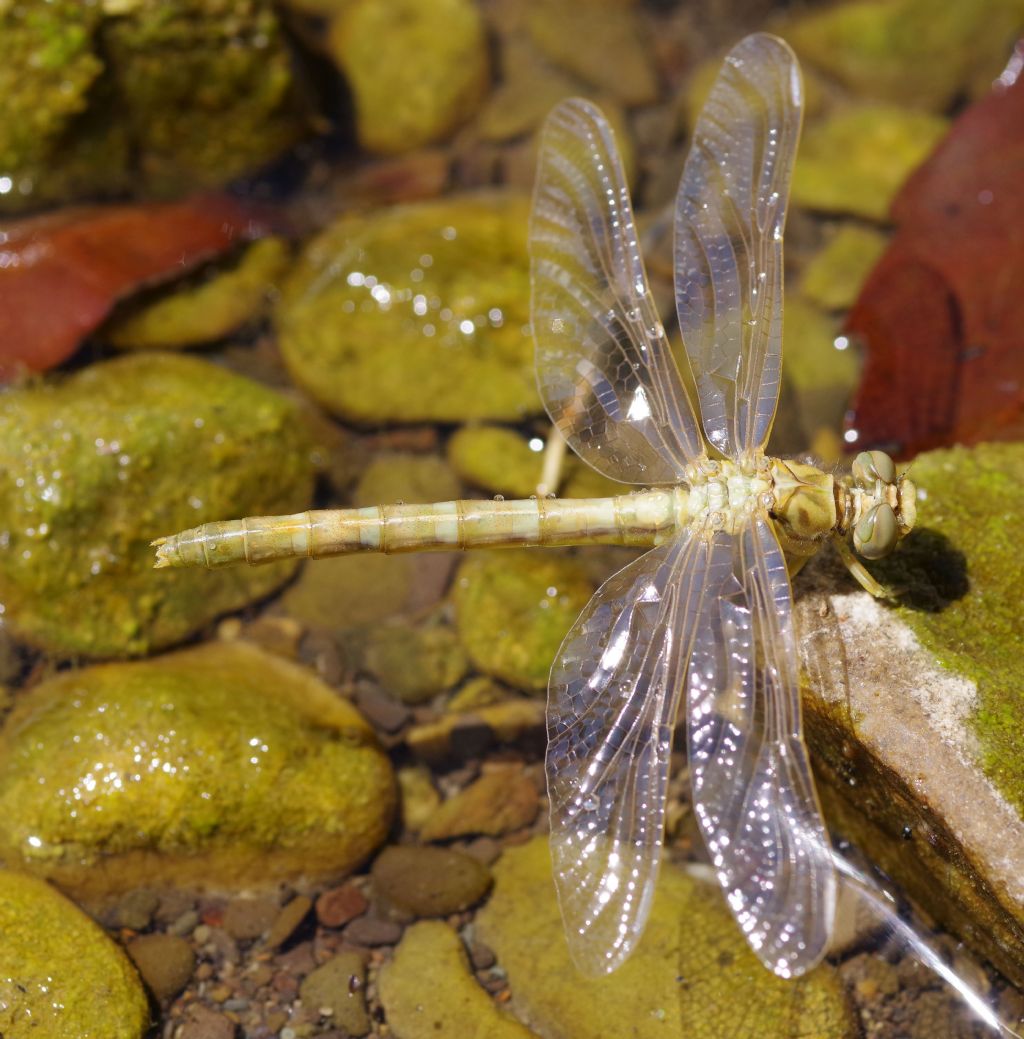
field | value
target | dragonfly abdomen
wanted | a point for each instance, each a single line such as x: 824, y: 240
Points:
x: 641, y: 519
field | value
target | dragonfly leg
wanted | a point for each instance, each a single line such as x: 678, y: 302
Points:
x: 551, y: 471
x: 860, y: 572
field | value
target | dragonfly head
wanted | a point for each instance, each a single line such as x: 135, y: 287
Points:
x: 884, y: 503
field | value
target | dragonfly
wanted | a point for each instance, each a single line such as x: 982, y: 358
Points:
x: 700, y: 627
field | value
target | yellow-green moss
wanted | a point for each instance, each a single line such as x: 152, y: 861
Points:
x: 60, y: 975
x: 417, y: 68
x: 220, y: 766
x: 415, y: 314
x: 855, y: 160
x: 192, y: 314
x: 95, y: 466
x: 683, y: 981
x: 514, y: 608
x: 964, y: 578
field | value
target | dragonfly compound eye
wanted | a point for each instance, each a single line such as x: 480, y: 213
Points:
x: 877, y: 533
x: 870, y: 466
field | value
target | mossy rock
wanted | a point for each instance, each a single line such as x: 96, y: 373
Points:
x: 513, y: 609
x: 856, y: 159
x: 497, y: 459
x: 681, y: 983
x: 204, y: 311
x: 415, y: 663
x: 206, y: 88
x: 910, y: 52
x: 397, y: 477
x: 219, y: 767
x: 417, y: 68
x: 918, y: 742
x: 95, y: 466
x: 834, y: 276
x: 415, y: 314
x: 100, y: 99
x: 428, y: 990
x: 60, y: 975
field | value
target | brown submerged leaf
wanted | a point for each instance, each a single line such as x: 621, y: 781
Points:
x: 61, y: 273
x: 942, y: 314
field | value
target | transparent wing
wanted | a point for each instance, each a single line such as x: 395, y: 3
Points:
x: 730, y: 215
x: 752, y: 788
x: 614, y: 693
x: 604, y: 367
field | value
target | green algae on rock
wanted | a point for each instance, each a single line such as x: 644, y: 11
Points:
x: 681, y: 983
x: 834, y: 276
x: 923, y: 764
x: 415, y: 663
x: 428, y: 990
x: 495, y: 458
x: 195, y: 313
x: 395, y: 476
x: 219, y: 767
x: 417, y: 68
x: 909, y: 52
x: 415, y: 314
x: 600, y: 41
x: 93, y: 467
x: 60, y: 975
x: 855, y: 160
x: 103, y: 97
x: 514, y: 608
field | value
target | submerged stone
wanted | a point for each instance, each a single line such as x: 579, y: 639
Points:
x: 834, y: 276
x: 855, y: 160
x: 919, y: 738
x: 95, y: 466
x: 60, y: 975
x: 103, y: 98
x: 500, y: 801
x: 415, y: 663
x: 197, y: 313
x: 429, y: 881
x: 417, y: 68
x: 910, y: 52
x: 681, y: 983
x: 218, y: 767
x: 428, y: 990
x: 395, y: 477
x: 496, y: 459
x: 513, y: 609
x: 600, y: 41
x: 415, y: 314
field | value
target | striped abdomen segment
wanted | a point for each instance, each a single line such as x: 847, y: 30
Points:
x: 646, y: 518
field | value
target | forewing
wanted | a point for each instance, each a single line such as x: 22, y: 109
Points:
x: 730, y: 215
x: 604, y: 367
x: 612, y: 701
x: 752, y: 788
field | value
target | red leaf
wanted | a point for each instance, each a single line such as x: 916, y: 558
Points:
x: 61, y: 274
x: 942, y: 315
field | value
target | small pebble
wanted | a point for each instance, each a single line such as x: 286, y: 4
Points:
x: 165, y: 961
x: 203, y: 1023
x: 337, y: 990
x: 428, y: 881
x: 336, y: 907
x: 370, y: 931
x: 135, y: 910
x: 482, y: 956
x: 184, y: 924
x: 288, y: 920
x: 381, y: 710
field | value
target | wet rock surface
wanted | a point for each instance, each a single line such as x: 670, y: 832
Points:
x: 429, y: 881
x: 417, y: 69
x: 60, y: 975
x: 514, y: 607
x: 96, y: 466
x: 921, y: 763
x: 217, y: 766
x: 682, y: 980
x: 428, y: 990
x: 377, y: 301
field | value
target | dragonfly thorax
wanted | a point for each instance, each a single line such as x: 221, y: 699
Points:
x: 723, y: 495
